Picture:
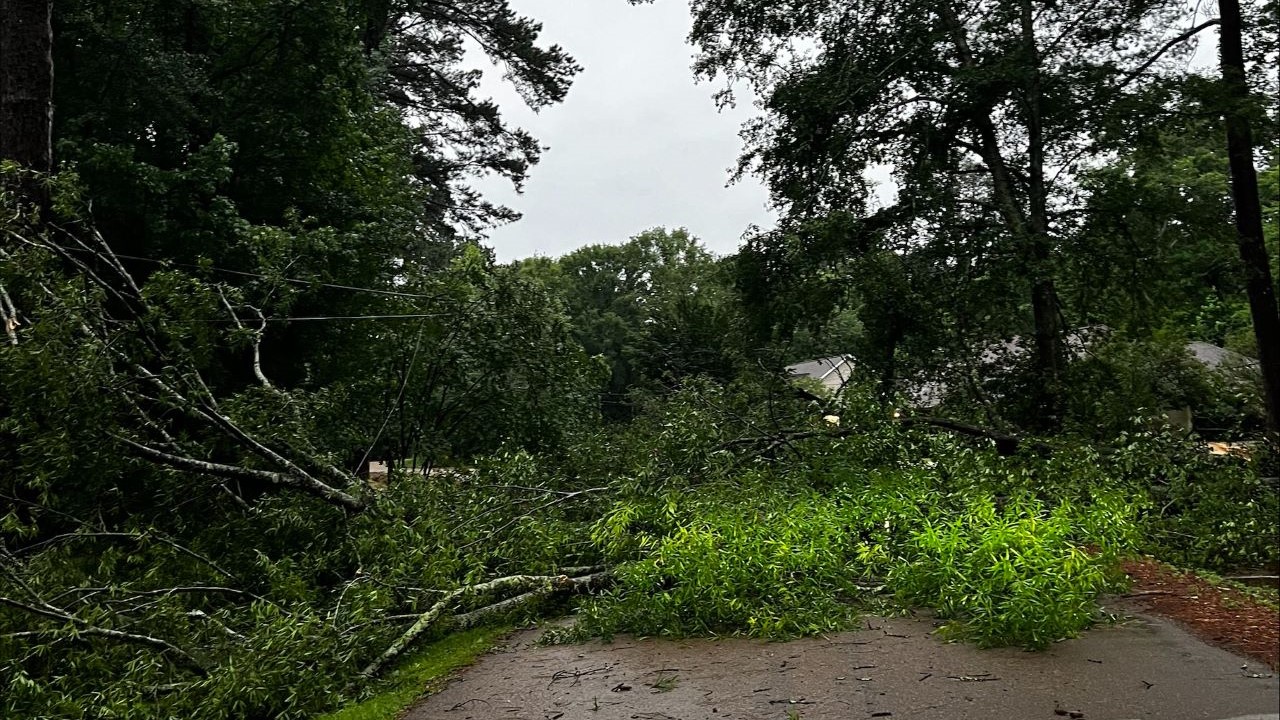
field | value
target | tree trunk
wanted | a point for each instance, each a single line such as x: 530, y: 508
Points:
x: 377, y: 19
x: 26, y: 87
x: 1031, y: 228
x: 1049, y: 335
x: 1248, y: 210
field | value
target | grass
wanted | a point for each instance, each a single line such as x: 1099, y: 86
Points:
x: 421, y: 673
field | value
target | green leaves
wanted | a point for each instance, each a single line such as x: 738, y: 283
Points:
x: 1016, y: 576
x: 769, y: 556
x: 771, y: 565
x: 659, y: 309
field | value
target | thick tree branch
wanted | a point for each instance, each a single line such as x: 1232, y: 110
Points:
x: 534, y: 586
x: 1133, y: 74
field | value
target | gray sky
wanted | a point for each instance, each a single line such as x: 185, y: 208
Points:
x: 637, y: 143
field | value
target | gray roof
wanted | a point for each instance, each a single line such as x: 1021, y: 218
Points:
x: 832, y: 371
x: 1217, y: 358
x: 926, y: 393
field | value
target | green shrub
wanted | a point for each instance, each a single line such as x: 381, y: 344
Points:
x: 773, y: 557
x: 1206, y: 511
x: 1017, y: 576
x: 767, y: 563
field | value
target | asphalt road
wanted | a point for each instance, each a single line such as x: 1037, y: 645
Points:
x: 1143, y: 667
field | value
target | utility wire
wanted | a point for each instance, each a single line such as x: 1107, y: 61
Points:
x: 309, y: 283
x: 334, y: 317
x: 296, y: 281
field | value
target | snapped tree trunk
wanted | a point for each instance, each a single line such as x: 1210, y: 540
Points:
x: 1248, y: 210
x: 26, y: 88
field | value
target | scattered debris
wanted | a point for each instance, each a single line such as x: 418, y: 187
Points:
x: 576, y: 674
x: 984, y: 677
x: 665, y: 683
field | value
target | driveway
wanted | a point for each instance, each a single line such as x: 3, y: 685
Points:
x: 1143, y: 667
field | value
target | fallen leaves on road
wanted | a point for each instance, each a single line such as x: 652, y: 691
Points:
x: 1219, y: 615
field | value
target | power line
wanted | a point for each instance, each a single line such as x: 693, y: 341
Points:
x: 408, y: 317
x: 296, y: 281
x: 309, y: 283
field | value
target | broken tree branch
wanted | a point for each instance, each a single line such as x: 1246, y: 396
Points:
x: 300, y: 480
x: 475, y: 617
x: 8, y: 316
x: 535, y: 586
x: 257, y: 336
x: 181, y: 386
x: 1006, y: 444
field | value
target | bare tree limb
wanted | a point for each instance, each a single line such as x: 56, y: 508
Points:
x: 475, y: 617
x: 301, y: 481
x: 84, y: 627
x: 538, y: 585
x: 257, y: 336
x: 1133, y: 74
x: 8, y: 316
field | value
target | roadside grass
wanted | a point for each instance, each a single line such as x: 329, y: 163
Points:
x: 421, y: 673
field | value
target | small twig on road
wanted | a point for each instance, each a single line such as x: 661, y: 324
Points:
x: 576, y: 674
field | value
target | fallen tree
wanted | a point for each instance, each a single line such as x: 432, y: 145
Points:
x: 534, y: 587
x: 165, y: 391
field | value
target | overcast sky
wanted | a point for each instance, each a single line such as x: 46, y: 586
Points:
x: 637, y: 143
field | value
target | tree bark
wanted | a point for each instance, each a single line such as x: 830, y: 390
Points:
x: 534, y: 586
x: 26, y: 88
x: 1049, y: 335
x: 1248, y: 210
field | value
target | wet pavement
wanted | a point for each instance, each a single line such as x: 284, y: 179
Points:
x: 1142, y: 667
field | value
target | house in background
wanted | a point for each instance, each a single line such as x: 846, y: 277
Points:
x: 830, y: 372
x: 1218, y: 358
x: 927, y: 391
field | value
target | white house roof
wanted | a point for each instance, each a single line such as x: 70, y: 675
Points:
x: 832, y: 372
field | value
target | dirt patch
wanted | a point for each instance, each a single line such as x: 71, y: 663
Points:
x: 1221, y: 616
x: 893, y: 668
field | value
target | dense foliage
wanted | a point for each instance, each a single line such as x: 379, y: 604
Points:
x: 1015, y: 549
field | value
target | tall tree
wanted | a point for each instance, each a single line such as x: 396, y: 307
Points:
x: 1248, y: 210
x: 1156, y: 246
x: 26, y: 85
x: 336, y: 138
x: 658, y: 308
x: 1004, y: 92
